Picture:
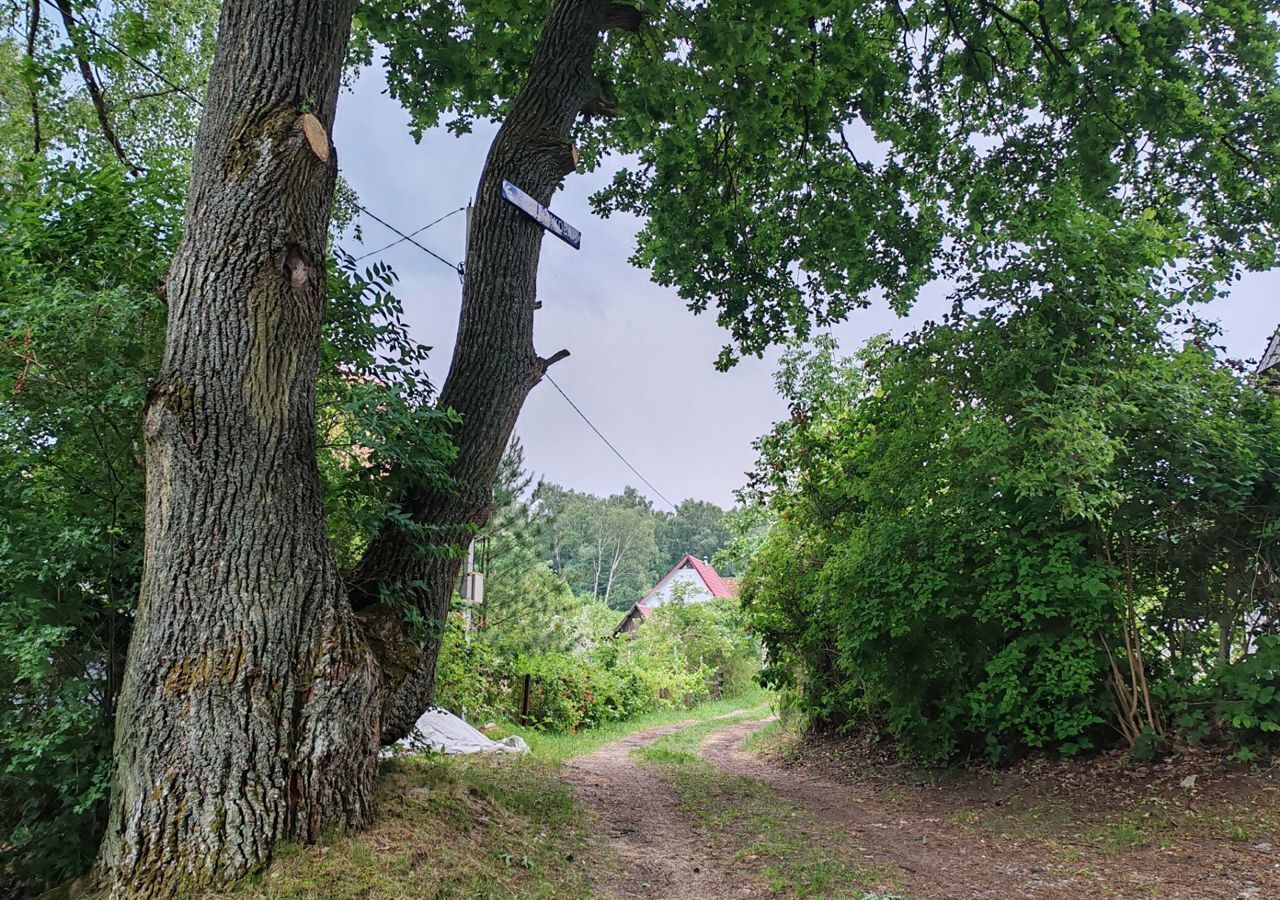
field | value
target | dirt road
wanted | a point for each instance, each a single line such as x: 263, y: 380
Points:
x: 923, y: 848
x: 659, y: 854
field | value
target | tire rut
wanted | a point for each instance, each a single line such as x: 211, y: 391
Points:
x: 939, y: 860
x: 658, y: 854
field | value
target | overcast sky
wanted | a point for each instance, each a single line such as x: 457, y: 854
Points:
x: 642, y: 365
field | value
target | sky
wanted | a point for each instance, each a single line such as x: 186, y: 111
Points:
x: 642, y: 366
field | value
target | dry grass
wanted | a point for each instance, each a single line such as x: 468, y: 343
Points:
x: 447, y: 827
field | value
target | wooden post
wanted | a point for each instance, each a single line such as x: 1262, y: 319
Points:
x: 524, y: 702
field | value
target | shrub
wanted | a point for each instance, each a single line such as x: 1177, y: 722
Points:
x: 1042, y: 527
x: 682, y: 655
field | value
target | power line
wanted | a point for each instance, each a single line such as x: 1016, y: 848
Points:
x: 608, y: 444
x: 409, y: 235
x: 457, y: 267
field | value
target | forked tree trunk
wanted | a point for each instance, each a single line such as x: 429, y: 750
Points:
x: 494, y: 364
x: 248, y: 712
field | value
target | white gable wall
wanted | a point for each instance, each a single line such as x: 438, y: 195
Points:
x: 695, y: 592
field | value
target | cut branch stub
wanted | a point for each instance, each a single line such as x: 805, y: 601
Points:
x: 544, y: 364
x: 599, y: 104
x: 317, y: 137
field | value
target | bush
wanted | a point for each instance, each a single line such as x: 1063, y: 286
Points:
x: 683, y: 654
x: 708, y: 640
x: 1042, y: 527
x: 1237, y: 703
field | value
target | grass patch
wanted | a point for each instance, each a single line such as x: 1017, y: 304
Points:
x: 559, y: 747
x: 473, y: 827
x: 772, y: 837
x: 468, y: 827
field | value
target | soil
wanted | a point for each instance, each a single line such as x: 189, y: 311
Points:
x: 658, y: 854
x: 965, y: 839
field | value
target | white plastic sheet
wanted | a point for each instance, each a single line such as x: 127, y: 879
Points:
x: 443, y: 732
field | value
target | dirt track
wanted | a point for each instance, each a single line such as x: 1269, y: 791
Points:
x: 660, y: 853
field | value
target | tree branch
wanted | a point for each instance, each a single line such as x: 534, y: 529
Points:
x: 623, y: 17
x: 33, y: 32
x: 91, y: 82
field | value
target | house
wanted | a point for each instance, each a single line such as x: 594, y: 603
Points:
x: 702, y: 583
x: 1269, y: 365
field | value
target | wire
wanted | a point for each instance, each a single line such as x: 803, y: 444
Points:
x: 457, y: 267
x: 607, y: 443
x: 409, y: 235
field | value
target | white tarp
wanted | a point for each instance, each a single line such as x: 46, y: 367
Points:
x: 443, y: 732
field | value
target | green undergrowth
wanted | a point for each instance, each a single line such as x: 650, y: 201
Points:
x: 773, y: 838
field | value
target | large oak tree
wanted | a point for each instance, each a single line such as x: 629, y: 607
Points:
x: 790, y: 158
x: 249, y: 708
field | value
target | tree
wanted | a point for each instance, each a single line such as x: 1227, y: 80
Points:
x: 83, y: 246
x: 527, y: 607
x: 604, y: 547
x: 75, y: 93
x: 494, y: 363
x: 249, y: 708
x: 754, y: 127
x: 697, y: 528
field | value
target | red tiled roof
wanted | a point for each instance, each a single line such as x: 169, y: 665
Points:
x: 715, y: 584
x: 710, y: 577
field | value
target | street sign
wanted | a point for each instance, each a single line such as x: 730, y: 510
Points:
x: 543, y: 216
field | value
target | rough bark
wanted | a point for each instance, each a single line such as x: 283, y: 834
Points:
x: 248, y: 710
x: 494, y: 364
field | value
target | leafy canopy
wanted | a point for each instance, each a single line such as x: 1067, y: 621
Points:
x: 791, y: 158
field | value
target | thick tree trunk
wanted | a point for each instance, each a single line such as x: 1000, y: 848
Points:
x: 248, y: 712
x: 494, y: 364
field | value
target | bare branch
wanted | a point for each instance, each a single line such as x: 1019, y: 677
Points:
x: 74, y: 32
